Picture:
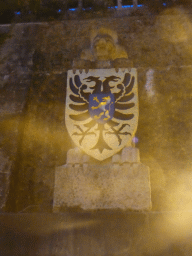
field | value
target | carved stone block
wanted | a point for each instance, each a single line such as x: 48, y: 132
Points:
x: 130, y: 155
x: 74, y: 156
x: 97, y: 186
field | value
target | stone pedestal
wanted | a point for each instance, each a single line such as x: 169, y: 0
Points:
x: 124, y: 183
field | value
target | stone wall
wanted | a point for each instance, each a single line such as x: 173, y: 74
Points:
x: 101, y: 233
x: 33, y: 64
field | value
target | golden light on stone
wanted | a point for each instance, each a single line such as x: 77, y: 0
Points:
x: 101, y: 116
x: 175, y: 28
x: 38, y: 132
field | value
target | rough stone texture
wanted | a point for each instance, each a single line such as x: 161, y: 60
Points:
x: 158, y: 45
x: 15, y: 77
x: 103, y: 186
x: 4, y: 178
x: 130, y: 155
x: 5, y: 166
x: 37, y: 56
x: 122, y: 183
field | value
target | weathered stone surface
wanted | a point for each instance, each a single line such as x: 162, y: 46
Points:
x: 75, y: 156
x: 127, y: 155
x: 4, y: 188
x: 103, y: 186
x: 130, y: 155
x: 160, y: 46
x: 116, y: 159
x: 5, y: 166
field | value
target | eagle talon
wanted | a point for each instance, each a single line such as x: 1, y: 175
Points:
x: 118, y: 132
x: 83, y: 133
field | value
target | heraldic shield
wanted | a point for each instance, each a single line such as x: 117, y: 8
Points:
x: 102, y: 110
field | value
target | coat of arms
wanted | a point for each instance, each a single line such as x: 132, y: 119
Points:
x: 102, y: 110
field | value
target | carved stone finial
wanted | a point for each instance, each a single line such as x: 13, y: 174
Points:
x: 104, y: 46
x: 104, y: 52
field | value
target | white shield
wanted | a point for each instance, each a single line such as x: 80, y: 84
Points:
x: 101, y: 111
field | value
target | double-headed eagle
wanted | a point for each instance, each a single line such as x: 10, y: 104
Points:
x: 81, y: 102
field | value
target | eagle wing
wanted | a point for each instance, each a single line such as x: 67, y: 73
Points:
x: 79, y: 98
x: 123, y: 97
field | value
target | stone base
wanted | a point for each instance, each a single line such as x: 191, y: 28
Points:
x: 103, y: 186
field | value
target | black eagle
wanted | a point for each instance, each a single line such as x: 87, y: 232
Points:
x: 80, y: 99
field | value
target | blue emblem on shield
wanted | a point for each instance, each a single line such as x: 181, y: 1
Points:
x: 102, y: 107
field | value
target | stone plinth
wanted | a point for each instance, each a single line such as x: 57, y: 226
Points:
x: 120, y: 184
